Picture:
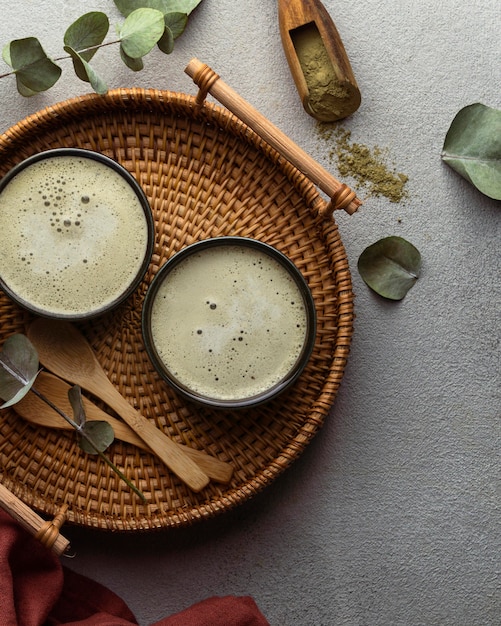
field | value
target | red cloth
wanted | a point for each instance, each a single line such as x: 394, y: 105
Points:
x: 36, y: 590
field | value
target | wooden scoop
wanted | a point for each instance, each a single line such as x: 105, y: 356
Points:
x: 64, y: 351
x: 317, y: 60
x: 36, y: 411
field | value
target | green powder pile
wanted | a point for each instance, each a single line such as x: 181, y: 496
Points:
x: 329, y: 98
x: 368, y: 167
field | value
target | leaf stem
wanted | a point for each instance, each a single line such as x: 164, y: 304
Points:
x: 11, y: 369
x: 55, y: 408
x: 90, y: 49
x: 68, y: 56
x: 89, y: 439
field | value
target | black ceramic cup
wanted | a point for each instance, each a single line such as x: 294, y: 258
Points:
x: 229, y: 322
x: 76, y: 234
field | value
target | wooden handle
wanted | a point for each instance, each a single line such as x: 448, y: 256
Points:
x: 342, y: 197
x: 174, y: 457
x: 46, y: 532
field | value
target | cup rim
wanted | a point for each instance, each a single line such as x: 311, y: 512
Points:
x: 150, y: 224
x: 239, y: 403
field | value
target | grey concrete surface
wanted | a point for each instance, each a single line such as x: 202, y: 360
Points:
x: 391, y: 516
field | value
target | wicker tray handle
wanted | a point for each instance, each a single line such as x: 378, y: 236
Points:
x: 47, y: 532
x: 342, y: 197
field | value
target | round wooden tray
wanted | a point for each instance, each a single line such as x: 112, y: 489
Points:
x: 206, y: 174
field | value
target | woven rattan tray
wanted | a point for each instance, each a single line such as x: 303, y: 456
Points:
x: 206, y: 174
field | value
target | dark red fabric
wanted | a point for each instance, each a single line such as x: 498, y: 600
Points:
x: 225, y: 611
x: 36, y: 590
x: 30, y: 577
x: 87, y: 603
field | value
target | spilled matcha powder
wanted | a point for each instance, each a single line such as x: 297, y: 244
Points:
x: 365, y: 165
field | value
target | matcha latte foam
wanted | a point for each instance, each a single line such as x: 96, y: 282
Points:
x: 75, y: 233
x: 230, y: 321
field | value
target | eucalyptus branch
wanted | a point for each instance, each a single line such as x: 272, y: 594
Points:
x: 148, y: 23
x: 90, y: 440
x: 90, y: 50
x: 19, y: 369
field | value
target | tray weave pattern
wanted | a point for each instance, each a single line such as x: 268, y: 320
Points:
x: 206, y: 174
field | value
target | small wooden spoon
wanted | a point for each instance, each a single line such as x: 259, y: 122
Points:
x: 64, y: 351
x: 36, y: 411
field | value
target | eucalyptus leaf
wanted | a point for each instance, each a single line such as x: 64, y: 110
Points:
x: 126, y: 7
x: 176, y: 23
x: 87, y: 33
x: 24, y: 90
x: 95, y: 436
x: 86, y: 72
x: 100, y: 433
x: 6, y: 54
x: 19, y: 368
x: 166, y: 6
x: 390, y: 267
x: 166, y: 41
x: 136, y: 65
x: 472, y: 148
x: 147, y: 22
x: 75, y: 398
x: 34, y: 70
x: 141, y: 31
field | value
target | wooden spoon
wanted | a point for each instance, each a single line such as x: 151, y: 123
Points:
x: 64, y: 351
x: 36, y: 411
x: 317, y: 59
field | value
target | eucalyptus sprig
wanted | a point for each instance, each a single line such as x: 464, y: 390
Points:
x: 148, y: 23
x: 19, y: 368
